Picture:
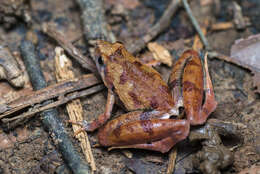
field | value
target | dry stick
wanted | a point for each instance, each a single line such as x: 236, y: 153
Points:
x: 94, y: 21
x: 50, y: 118
x: 159, y: 27
x: 9, y: 68
x: 61, y: 101
x: 197, y: 44
x: 50, y: 92
x: 63, y: 72
x: 222, y: 26
x: 239, y: 19
x: 195, y: 24
x: 172, y: 159
x: 85, y: 61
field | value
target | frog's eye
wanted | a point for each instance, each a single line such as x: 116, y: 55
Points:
x: 100, y: 60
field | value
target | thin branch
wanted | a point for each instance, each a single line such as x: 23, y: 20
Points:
x: 94, y: 21
x: 159, y: 27
x: 196, y: 24
x: 50, y: 92
x: 50, y: 118
x: 62, y: 100
x: 9, y: 68
x: 197, y: 43
x: 172, y: 159
x: 85, y: 61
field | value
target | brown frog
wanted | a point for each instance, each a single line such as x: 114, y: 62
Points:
x: 149, y: 100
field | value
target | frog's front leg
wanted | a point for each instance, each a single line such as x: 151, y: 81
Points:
x: 101, y: 120
x: 143, y: 130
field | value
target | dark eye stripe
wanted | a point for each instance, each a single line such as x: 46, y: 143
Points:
x: 100, y: 61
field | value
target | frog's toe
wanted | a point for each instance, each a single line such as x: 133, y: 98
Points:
x: 84, y: 126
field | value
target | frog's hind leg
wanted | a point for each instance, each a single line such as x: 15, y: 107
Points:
x: 154, y: 134
x: 193, y: 88
x: 162, y: 146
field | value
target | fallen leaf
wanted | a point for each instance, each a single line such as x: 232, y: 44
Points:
x: 160, y: 53
x: 246, y: 53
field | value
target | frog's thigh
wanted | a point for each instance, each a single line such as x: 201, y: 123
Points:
x: 128, y: 118
x: 154, y: 134
x: 163, y: 145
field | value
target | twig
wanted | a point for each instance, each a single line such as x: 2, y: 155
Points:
x: 239, y: 20
x: 222, y: 26
x: 93, y: 19
x: 9, y: 68
x: 85, y: 61
x: 60, y: 89
x: 159, y: 27
x: 61, y: 101
x: 74, y: 108
x: 172, y: 159
x: 50, y: 117
x: 197, y: 44
x: 195, y: 24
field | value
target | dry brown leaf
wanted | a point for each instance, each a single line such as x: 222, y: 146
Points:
x: 160, y: 53
x: 246, y: 53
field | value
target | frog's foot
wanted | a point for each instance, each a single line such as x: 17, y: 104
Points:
x: 90, y: 126
x: 84, y: 126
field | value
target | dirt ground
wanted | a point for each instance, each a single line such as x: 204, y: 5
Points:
x: 29, y: 149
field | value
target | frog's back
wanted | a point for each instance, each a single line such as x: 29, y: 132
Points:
x: 137, y: 85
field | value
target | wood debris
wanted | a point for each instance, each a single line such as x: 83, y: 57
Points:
x: 155, y: 30
x: 63, y: 72
x: 85, y: 61
x: 9, y: 68
x: 59, y: 91
x: 172, y: 159
x: 160, y: 53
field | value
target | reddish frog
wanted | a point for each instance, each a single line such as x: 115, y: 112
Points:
x: 149, y: 100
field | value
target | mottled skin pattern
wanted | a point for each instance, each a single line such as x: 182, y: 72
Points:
x: 149, y: 99
x: 193, y: 87
x: 138, y: 86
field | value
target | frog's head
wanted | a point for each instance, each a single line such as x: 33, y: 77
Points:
x: 104, y: 54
